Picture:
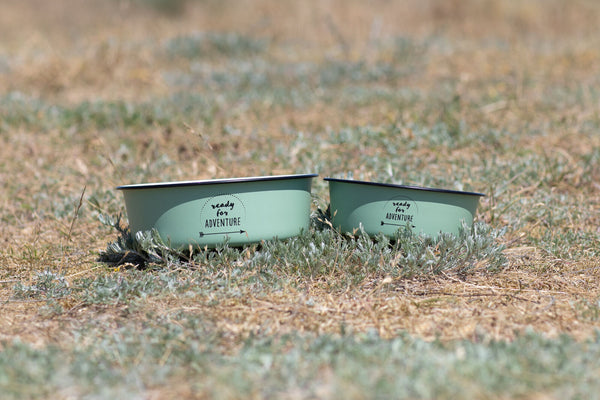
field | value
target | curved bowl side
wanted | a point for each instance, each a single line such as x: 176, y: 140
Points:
x: 381, y: 209
x: 240, y: 213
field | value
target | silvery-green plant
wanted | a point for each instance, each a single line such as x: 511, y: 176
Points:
x: 322, y: 251
x: 47, y: 285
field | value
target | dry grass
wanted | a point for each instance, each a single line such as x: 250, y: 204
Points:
x: 86, y: 57
x: 437, y: 308
x: 508, y: 63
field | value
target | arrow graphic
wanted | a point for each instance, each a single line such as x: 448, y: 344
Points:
x: 389, y: 223
x: 202, y: 234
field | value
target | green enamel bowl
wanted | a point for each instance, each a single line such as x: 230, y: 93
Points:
x: 386, y: 208
x: 206, y: 213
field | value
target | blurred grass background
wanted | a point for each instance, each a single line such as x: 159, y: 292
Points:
x: 494, y: 96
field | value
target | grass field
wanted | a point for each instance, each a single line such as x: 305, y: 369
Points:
x: 495, y: 96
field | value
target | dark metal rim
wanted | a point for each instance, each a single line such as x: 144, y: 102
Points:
x: 214, y: 181
x: 404, y: 186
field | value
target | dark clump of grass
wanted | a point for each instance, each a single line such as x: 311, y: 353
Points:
x: 140, y: 250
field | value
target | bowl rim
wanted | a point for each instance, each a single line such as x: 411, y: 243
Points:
x: 213, y: 181
x: 393, y: 185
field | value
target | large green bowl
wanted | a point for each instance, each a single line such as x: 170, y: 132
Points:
x: 209, y: 212
x: 386, y: 208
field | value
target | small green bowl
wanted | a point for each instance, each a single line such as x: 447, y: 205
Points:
x: 206, y: 213
x: 386, y: 208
